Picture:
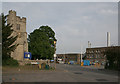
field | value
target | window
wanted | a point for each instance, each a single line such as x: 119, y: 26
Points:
x: 96, y: 56
x: 18, y: 26
x: 92, y: 51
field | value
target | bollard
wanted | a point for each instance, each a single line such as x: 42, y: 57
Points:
x: 95, y: 64
x: 39, y: 66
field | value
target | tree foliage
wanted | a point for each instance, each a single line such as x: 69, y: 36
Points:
x: 113, y: 58
x: 41, y: 43
x: 7, y: 39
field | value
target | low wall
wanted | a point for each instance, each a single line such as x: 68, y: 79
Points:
x: 29, y: 62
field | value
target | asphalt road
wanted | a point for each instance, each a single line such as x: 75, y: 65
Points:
x: 63, y: 73
x: 100, y: 70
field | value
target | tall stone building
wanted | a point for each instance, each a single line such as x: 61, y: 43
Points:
x: 19, y: 27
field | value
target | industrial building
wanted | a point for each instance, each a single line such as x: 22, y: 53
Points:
x: 70, y: 57
x: 98, y: 54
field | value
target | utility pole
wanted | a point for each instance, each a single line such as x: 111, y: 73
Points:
x: 64, y: 58
x: 81, y: 53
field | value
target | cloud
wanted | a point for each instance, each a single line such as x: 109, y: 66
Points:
x: 74, y: 23
x: 109, y: 11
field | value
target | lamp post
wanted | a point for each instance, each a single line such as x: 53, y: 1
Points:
x: 55, y: 54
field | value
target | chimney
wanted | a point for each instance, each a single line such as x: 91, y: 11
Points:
x: 88, y: 44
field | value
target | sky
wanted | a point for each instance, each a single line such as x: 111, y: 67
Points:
x: 74, y: 23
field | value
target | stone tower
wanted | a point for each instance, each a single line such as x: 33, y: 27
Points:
x: 19, y: 27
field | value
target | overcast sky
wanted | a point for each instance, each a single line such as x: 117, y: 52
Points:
x: 74, y: 23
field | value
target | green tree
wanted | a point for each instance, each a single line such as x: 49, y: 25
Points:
x: 41, y: 43
x: 113, y: 58
x: 7, y: 40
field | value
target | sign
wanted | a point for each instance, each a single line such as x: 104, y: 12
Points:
x: 27, y: 55
x: 34, y: 62
x: 54, y: 42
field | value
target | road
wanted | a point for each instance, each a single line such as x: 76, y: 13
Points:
x: 63, y: 73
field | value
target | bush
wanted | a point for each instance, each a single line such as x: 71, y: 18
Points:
x: 10, y: 62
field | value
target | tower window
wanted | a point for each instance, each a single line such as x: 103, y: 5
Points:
x: 18, y: 26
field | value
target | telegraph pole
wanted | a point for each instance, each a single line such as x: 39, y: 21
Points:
x: 81, y: 54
